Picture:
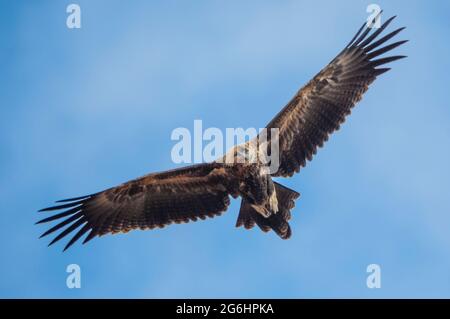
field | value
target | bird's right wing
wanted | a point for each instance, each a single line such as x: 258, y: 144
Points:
x: 155, y: 200
x: 320, y: 107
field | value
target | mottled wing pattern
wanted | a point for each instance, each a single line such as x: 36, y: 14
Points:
x: 320, y: 107
x: 155, y: 200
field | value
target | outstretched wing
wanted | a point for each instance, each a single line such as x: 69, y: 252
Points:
x: 155, y: 200
x: 320, y: 107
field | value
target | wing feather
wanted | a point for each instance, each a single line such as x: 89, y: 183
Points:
x: 321, y: 106
x: 155, y: 200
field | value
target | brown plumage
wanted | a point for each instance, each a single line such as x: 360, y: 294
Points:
x: 204, y: 190
x: 320, y: 107
x: 155, y: 200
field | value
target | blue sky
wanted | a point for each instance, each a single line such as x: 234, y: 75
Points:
x: 83, y: 110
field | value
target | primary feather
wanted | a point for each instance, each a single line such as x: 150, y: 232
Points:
x: 321, y: 106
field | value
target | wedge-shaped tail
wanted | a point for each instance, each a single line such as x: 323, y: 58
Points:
x: 278, y: 222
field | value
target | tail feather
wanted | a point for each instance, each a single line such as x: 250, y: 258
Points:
x: 278, y: 222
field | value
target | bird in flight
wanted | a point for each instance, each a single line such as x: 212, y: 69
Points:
x: 203, y: 190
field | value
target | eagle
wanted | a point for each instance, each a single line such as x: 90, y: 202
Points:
x: 203, y: 190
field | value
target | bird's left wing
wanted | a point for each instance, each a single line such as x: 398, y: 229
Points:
x: 155, y: 200
x: 320, y: 107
